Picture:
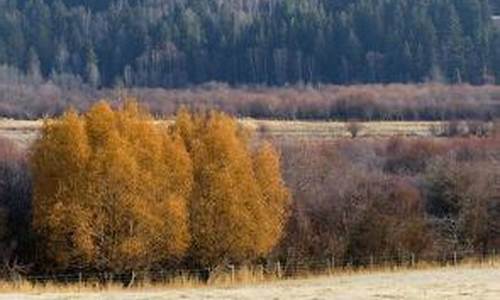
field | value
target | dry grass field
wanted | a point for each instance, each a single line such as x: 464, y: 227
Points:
x: 329, y: 130
x: 462, y: 282
x: 22, y: 132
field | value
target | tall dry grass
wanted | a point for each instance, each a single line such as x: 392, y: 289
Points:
x: 241, y: 277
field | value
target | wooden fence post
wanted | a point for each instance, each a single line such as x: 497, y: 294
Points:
x: 232, y: 273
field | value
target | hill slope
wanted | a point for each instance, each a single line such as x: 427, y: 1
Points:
x: 172, y: 43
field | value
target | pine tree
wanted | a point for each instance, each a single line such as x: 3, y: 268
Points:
x: 92, y: 74
x: 34, y: 69
x: 452, y: 45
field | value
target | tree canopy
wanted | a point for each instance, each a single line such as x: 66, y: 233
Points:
x: 115, y: 192
x: 110, y: 190
x: 239, y: 201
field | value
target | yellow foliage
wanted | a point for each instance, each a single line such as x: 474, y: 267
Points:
x: 106, y: 191
x: 114, y: 192
x: 230, y: 215
x: 59, y: 159
x: 276, y: 195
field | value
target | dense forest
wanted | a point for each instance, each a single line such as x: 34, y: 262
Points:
x: 495, y: 5
x: 180, y: 43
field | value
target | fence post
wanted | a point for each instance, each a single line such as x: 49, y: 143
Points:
x: 455, y: 258
x: 278, y: 269
x: 413, y: 259
x: 132, y: 279
x: 79, y: 281
x: 371, y: 261
x: 232, y: 273
x: 333, y: 262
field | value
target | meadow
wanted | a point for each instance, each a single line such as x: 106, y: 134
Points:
x: 24, y: 131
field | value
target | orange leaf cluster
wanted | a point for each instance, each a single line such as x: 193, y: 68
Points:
x: 113, y: 191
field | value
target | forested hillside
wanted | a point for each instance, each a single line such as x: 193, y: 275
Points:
x: 495, y: 4
x: 176, y: 43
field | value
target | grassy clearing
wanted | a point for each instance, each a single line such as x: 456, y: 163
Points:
x: 20, y: 131
x: 24, y: 132
x: 333, y: 130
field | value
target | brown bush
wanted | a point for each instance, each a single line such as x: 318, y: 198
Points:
x: 354, y: 128
x: 410, y: 156
x: 358, y: 199
x: 22, y: 99
x: 15, y: 207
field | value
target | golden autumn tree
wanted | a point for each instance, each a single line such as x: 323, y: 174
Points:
x: 110, y: 190
x: 276, y: 196
x: 59, y: 161
x: 236, y: 213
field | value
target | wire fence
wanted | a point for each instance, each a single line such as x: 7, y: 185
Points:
x: 272, y: 269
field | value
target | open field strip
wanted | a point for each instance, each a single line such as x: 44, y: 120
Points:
x: 322, y: 129
x: 463, y: 282
x: 22, y: 132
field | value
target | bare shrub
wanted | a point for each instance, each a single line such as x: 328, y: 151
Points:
x: 22, y: 99
x: 496, y: 129
x: 15, y: 207
x: 410, y: 156
x: 354, y: 199
x: 478, y: 128
x: 451, y: 128
x: 354, y: 128
x: 436, y: 130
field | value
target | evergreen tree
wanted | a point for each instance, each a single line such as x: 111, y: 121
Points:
x: 34, y: 71
x: 91, y: 69
x: 184, y: 42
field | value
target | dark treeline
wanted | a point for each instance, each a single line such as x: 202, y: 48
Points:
x: 352, y: 199
x: 178, y: 43
x: 495, y: 5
